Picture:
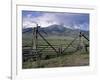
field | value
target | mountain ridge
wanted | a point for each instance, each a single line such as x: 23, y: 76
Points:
x: 57, y: 30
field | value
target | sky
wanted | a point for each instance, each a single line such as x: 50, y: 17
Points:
x: 45, y: 19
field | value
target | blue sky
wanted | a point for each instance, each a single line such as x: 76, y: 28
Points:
x: 45, y: 19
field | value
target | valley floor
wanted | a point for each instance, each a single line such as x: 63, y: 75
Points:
x: 68, y: 60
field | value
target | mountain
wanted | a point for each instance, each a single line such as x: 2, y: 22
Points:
x: 56, y: 30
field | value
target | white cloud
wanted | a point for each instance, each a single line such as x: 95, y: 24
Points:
x: 47, y: 19
x: 27, y: 24
x: 44, y: 20
x: 84, y: 26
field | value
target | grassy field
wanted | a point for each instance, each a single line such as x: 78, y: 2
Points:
x: 75, y: 59
x: 49, y: 58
